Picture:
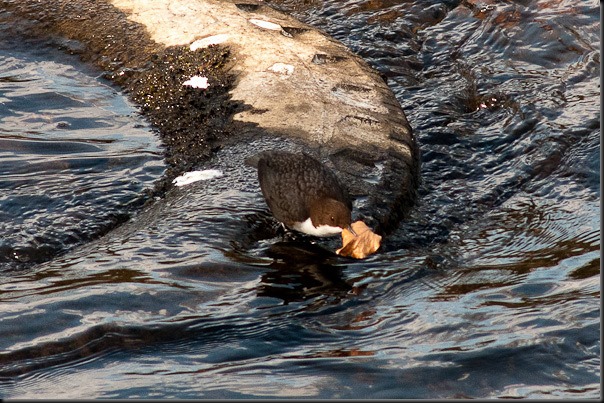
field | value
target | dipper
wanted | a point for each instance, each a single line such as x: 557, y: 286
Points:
x: 304, y: 194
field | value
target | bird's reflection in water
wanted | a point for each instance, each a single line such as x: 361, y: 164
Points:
x: 302, y: 270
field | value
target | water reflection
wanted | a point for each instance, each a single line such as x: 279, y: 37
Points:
x: 301, y: 271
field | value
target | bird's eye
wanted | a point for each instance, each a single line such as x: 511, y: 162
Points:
x: 333, y: 219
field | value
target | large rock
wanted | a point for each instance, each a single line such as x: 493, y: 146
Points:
x: 297, y: 80
x: 290, y: 80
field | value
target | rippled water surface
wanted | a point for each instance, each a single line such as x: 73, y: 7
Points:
x: 490, y: 288
x: 74, y: 154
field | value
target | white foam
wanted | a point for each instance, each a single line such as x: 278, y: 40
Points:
x: 195, y: 176
x: 197, y: 82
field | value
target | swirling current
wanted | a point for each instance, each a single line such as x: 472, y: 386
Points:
x: 490, y: 288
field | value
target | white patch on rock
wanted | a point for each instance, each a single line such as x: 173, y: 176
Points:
x: 282, y: 68
x: 266, y: 24
x: 207, y: 41
x: 195, y: 176
x: 197, y: 82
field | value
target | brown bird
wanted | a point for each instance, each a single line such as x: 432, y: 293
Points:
x: 304, y: 194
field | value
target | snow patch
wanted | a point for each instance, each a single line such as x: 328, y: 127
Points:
x: 282, y: 68
x: 266, y: 24
x: 197, y: 82
x: 207, y: 41
x: 195, y: 176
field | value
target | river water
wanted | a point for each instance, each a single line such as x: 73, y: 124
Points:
x: 490, y: 288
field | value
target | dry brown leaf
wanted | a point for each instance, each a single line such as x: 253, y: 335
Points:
x: 364, y: 244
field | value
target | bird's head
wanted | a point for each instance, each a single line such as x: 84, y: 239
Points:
x: 331, y: 213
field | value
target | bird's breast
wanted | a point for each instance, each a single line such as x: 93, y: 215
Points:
x: 322, y: 230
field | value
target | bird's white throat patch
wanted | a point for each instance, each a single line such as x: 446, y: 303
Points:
x: 322, y: 230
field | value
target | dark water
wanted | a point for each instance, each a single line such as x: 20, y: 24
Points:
x: 491, y: 287
x: 74, y: 154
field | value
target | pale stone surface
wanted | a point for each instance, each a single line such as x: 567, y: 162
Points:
x: 333, y: 100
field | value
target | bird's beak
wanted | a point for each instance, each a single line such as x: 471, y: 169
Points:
x: 349, y: 228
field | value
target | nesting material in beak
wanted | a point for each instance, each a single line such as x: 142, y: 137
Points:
x: 359, y: 241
